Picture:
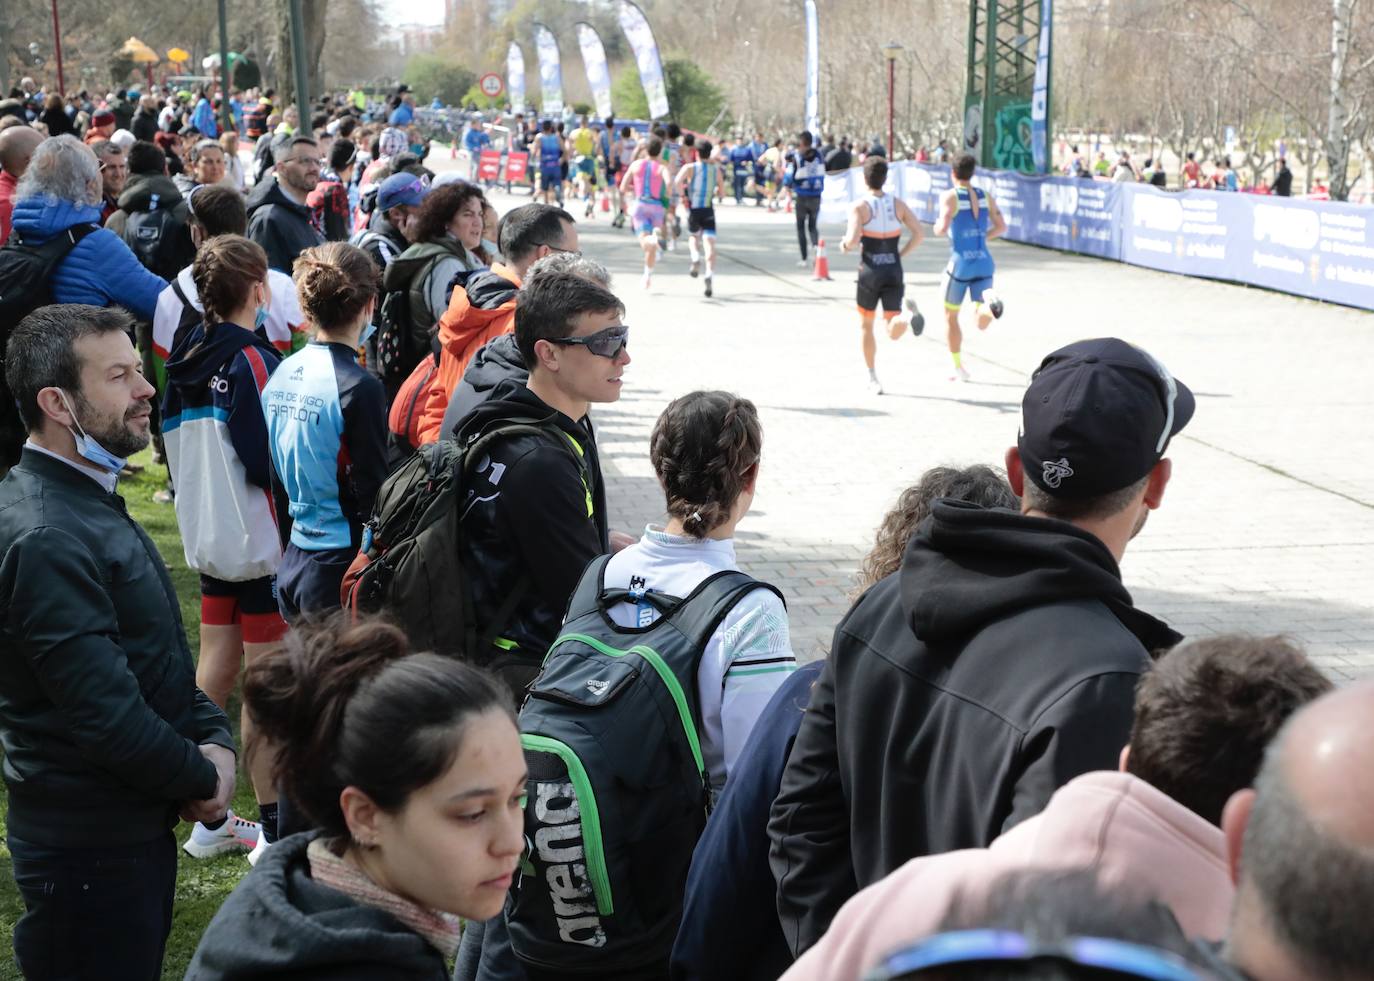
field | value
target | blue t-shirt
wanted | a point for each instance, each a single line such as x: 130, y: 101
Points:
x: 742, y: 158
x: 475, y: 141
x: 550, y: 151
x: 968, y: 243
x: 402, y: 115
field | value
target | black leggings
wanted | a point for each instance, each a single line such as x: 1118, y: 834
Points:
x: 808, y: 211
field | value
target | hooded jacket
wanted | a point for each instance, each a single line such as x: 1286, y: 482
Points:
x: 1130, y: 835
x: 217, y: 451
x: 996, y: 665
x: 100, y: 269
x: 137, y: 198
x: 281, y: 923
x: 808, y: 173
x: 499, y: 360
x: 538, y: 518
x: 475, y: 315
x: 281, y: 226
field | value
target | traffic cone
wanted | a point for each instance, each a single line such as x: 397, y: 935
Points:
x: 605, y: 202
x: 789, y: 204
x: 822, y: 263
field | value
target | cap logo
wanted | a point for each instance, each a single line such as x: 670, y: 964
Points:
x: 1054, y: 473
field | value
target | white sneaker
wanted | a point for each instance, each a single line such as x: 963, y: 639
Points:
x: 259, y: 850
x: 803, y: 264
x: 695, y: 271
x: 648, y: 278
x: 235, y: 834
x: 960, y: 374
x: 875, y: 386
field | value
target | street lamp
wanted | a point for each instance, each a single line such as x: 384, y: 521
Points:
x: 890, y: 51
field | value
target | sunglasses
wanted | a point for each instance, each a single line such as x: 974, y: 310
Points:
x: 607, y: 343
x: 1129, y: 960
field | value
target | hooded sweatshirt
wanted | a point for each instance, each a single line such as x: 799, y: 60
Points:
x: 475, y: 315
x: 996, y: 665
x: 499, y: 360
x: 807, y: 175
x: 149, y: 194
x: 217, y: 452
x: 282, y: 924
x: 281, y: 226
x: 1130, y: 835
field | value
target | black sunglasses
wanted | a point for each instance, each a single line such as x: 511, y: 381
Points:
x: 607, y: 343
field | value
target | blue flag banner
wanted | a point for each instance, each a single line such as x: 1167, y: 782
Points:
x: 550, y: 70
x: 515, y: 76
x: 1040, y: 93
x: 598, y: 73
x: 645, y: 48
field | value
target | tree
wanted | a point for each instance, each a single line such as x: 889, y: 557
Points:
x: 694, y: 101
x: 433, y: 74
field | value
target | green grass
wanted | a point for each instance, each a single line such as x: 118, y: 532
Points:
x: 202, y: 885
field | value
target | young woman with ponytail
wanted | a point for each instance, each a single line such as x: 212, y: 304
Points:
x: 410, y: 767
x: 705, y: 450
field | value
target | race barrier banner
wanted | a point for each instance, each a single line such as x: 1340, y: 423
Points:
x: 517, y: 167
x: 598, y: 72
x: 515, y: 76
x: 642, y: 43
x: 1318, y: 249
x: 489, y: 165
x: 550, y: 71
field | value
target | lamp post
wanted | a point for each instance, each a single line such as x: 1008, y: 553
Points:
x: 890, y: 51
x: 57, y: 48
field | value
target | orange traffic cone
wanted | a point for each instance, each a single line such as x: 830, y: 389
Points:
x: 822, y: 263
x: 605, y: 201
x: 789, y: 204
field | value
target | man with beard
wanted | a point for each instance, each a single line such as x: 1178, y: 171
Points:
x: 106, y: 737
x: 1000, y: 661
x: 278, y: 217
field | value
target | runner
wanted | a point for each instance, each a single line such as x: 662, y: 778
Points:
x: 772, y: 160
x: 875, y: 224
x: 807, y: 180
x: 624, y: 151
x: 703, y: 182
x: 673, y: 160
x: 971, y: 226
x: 551, y: 154
x: 648, y: 182
x: 583, y: 144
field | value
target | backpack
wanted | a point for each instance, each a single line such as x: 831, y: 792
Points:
x: 618, y: 793
x: 25, y: 285
x: 405, y: 323
x: 409, y: 565
x: 158, y: 239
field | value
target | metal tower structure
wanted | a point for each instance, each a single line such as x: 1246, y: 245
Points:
x: 1003, y: 49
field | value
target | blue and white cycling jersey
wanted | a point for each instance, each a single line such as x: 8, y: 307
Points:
x: 807, y: 176
x: 326, y: 429
x: 969, y: 258
x: 701, y: 189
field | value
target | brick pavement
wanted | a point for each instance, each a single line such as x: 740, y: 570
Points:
x: 1267, y: 526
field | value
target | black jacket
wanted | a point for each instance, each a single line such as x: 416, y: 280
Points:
x: 281, y: 226
x: 137, y: 198
x: 539, y: 517
x: 996, y: 665
x: 100, y: 716
x: 144, y: 125
x: 281, y: 924
x: 496, y: 361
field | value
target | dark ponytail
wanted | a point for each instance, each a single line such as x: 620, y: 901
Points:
x: 348, y: 704
x: 704, y: 449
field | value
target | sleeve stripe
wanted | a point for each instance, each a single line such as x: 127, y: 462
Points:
x: 736, y: 673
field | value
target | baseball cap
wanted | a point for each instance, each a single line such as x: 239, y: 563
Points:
x: 401, y: 189
x: 1097, y: 416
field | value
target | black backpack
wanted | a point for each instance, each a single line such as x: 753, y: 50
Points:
x: 618, y: 793
x: 159, y: 239
x: 25, y: 285
x: 409, y: 566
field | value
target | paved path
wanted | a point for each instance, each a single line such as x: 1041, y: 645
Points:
x: 1268, y: 524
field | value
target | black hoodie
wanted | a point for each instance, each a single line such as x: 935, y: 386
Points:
x: 280, y: 923
x: 281, y: 226
x: 996, y: 665
x: 538, y: 518
x: 162, y: 238
x: 496, y: 361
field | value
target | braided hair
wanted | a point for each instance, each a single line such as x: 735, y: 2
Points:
x: 705, y: 449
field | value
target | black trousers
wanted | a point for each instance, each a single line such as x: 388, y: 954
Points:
x: 808, y: 211
x: 94, y: 913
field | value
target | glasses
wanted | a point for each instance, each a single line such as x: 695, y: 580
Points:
x: 993, y: 946
x: 116, y: 167
x: 305, y: 161
x: 607, y: 343
x: 554, y: 248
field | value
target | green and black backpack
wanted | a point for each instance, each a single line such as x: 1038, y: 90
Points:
x: 618, y: 792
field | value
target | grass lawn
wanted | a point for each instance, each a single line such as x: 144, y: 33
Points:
x: 201, y: 885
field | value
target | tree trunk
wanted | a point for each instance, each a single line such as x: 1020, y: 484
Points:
x: 1337, y: 120
x: 313, y: 26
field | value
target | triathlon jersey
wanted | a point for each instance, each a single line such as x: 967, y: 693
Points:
x: 882, y: 235
x: 650, y: 181
x: 584, y: 141
x: 672, y: 155
x: 808, y: 175
x: 968, y: 244
x: 627, y: 152
x: 701, y: 189
x: 550, y: 151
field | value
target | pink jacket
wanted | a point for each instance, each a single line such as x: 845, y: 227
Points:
x: 1133, y: 835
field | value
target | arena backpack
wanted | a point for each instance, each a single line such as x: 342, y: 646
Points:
x: 25, y: 285
x: 409, y: 566
x: 618, y: 792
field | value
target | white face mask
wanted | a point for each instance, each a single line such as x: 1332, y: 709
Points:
x: 89, y: 448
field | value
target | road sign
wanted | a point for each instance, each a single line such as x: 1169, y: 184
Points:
x: 491, y: 85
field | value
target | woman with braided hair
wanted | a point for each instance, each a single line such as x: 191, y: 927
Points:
x: 705, y: 450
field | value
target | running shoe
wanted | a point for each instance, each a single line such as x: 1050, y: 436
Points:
x: 588, y: 212
x: 708, y: 285
x: 259, y: 850
x: 874, y: 386
x: 802, y: 264
x: 648, y: 279
x: 960, y: 375
x: 918, y: 320
x: 994, y: 303
x: 235, y: 834
x: 695, y: 271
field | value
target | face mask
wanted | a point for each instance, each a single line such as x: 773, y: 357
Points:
x: 259, y: 317
x: 367, y: 333
x: 90, y: 449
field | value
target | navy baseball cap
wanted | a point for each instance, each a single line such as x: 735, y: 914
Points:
x: 402, y: 188
x: 1097, y: 417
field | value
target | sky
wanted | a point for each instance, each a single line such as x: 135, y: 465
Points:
x: 413, y: 11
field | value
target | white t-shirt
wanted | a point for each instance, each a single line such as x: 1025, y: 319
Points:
x: 285, y: 321
x: 748, y: 657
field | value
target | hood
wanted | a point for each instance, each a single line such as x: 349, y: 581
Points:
x: 279, y: 921
x: 40, y: 218
x: 138, y: 193
x: 378, y: 223
x: 267, y: 192
x: 404, y: 267
x: 512, y: 399
x: 496, y: 361
x: 197, y: 358
x: 487, y: 298
x: 968, y: 566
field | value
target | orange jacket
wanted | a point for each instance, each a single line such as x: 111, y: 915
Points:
x: 475, y: 315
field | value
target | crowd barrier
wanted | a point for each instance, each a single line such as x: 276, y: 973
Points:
x: 1318, y: 249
